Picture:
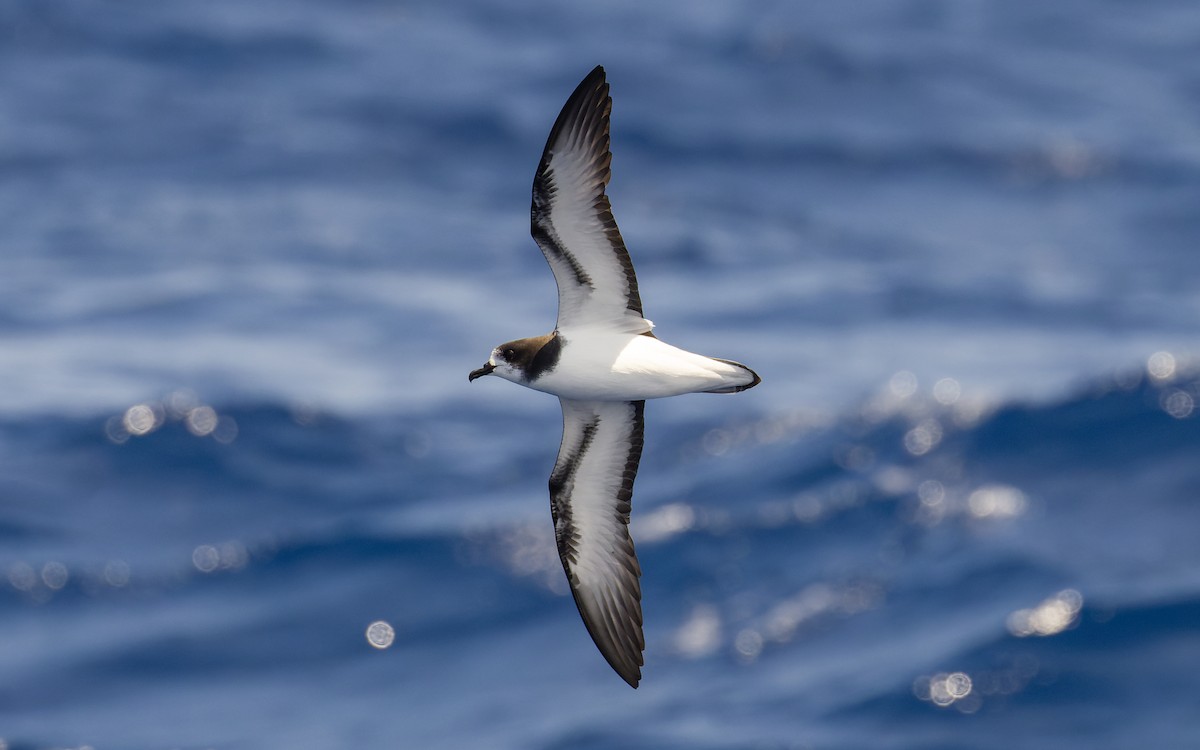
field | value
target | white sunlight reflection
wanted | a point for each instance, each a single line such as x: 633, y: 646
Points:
x: 933, y: 507
x: 988, y: 503
x: 381, y: 634
x: 22, y: 576
x: 141, y: 419
x: 530, y: 550
x: 948, y: 688
x: 226, y: 430
x: 924, y: 437
x: 1179, y: 404
x: 783, y: 620
x: 663, y: 523
x: 201, y: 421
x: 996, y: 501
x: 706, y: 630
x: 1161, y: 366
x: 117, y: 573
x: 1051, y: 617
x: 208, y: 558
x: 946, y: 391
x: 903, y: 384
x: 183, y: 406
x: 748, y: 644
x: 717, y: 442
x: 700, y: 633
x: 55, y: 575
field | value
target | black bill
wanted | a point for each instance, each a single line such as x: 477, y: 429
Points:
x: 485, y: 370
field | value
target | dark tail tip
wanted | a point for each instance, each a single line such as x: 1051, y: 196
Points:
x: 737, y: 388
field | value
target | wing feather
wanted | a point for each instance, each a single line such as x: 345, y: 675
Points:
x: 572, y: 221
x: 590, y: 492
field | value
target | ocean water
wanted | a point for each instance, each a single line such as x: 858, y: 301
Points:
x: 249, y: 252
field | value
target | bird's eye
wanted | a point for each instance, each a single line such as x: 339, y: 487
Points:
x: 510, y: 354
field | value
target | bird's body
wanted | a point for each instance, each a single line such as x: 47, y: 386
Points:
x: 602, y: 365
x: 603, y: 362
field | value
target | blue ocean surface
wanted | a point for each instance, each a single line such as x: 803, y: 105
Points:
x: 250, y: 251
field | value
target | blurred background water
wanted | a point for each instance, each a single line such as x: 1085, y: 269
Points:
x: 249, y: 251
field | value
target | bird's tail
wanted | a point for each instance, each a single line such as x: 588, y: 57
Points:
x: 741, y: 379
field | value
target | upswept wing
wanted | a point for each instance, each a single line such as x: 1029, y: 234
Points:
x: 572, y: 220
x: 590, y: 491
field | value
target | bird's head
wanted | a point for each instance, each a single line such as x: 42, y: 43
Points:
x: 522, y: 361
x: 504, y: 362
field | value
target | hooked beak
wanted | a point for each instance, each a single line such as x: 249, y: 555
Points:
x: 485, y: 370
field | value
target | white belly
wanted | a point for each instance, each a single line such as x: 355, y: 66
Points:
x: 622, y: 367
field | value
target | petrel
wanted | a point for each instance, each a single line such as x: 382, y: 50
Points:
x: 602, y: 361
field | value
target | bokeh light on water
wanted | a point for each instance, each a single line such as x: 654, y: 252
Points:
x: 946, y: 688
x: 996, y: 501
x: 22, y: 576
x: 946, y: 391
x: 55, y: 575
x: 1161, y: 366
x: 1179, y: 404
x: 180, y: 406
x: 924, y: 437
x: 201, y: 420
x: 141, y: 419
x: 117, y: 573
x: 968, y: 692
x: 699, y: 635
x: 903, y: 384
x: 227, y: 556
x: 1052, y: 616
x: 380, y: 634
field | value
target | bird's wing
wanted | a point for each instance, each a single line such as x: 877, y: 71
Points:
x: 572, y: 220
x: 590, y: 491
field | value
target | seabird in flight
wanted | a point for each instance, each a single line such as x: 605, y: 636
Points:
x: 603, y: 362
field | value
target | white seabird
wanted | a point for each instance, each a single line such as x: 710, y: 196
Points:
x: 603, y: 362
